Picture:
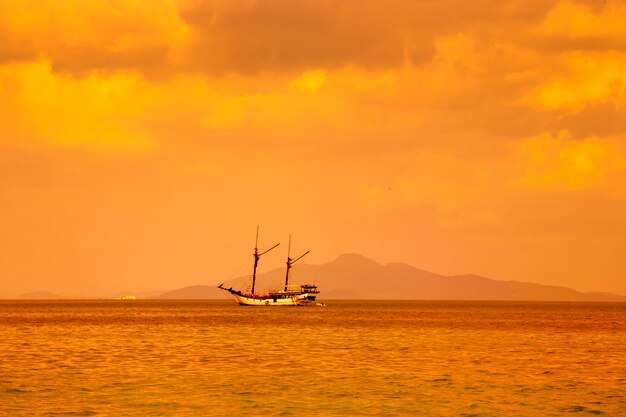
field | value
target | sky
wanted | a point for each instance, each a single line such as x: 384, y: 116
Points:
x: 141, y: 142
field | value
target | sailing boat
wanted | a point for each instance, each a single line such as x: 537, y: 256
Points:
x: 289, y: 295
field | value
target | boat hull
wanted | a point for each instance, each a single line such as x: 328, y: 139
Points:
x: 304, y: 296
x: 296, y: 300
x: 303, y: 299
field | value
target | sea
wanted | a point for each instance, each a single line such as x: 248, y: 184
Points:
x: 348, y: 358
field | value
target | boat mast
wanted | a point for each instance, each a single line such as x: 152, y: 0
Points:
x: 291, y: 262
x: 257, y: 255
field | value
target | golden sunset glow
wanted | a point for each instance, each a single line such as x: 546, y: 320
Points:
x: 142, y: 141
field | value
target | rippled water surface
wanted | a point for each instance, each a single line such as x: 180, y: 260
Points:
x: 179, y: 358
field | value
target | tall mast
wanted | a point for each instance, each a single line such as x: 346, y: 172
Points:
x: 258, y: 255
x: 288, y: 264
x: 291, y: 262
x: 256, y: 258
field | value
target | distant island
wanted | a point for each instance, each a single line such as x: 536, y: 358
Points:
x: 353, y: 276
x: 40, y: 295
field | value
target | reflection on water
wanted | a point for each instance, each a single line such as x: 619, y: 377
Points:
x: 349, y: 358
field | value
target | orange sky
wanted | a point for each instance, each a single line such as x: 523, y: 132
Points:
x: 142, y: 141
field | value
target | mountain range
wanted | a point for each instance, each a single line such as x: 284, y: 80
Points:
x: 353, y: 276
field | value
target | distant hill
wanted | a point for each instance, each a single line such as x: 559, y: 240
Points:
x: 40, y: 295
x: 354, y: 276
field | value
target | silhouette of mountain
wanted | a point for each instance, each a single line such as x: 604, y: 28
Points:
x: 40, y: 295
x: 353, y: 276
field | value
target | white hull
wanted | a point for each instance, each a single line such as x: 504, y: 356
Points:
x: 296, y: 300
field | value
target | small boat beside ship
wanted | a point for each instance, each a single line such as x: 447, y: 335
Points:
x: 289, y: 295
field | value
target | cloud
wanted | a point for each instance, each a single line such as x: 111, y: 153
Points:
x: 585, y: 25
x: 558, y: 162
x: 603, y: 119
x: 255, y: 36
x: 47, y: 109
x: 252, y: 36
x: 165, y: 37
x: 79, y: 36
x: 310, y: 81
x: 326, y: 87
x: 591, y: 78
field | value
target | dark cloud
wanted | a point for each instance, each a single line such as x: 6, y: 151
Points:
x: 561, y: 43
x: 12, y: 51
x: 79, y: 61
x: 285, y: 35
x: 279, y: 35
x: 595, y: 120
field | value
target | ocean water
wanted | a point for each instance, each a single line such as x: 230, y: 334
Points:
x: 205, y: 358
